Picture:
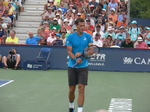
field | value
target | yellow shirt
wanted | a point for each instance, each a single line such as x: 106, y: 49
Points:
x: 15, y: 40
x: 5, y: 3
x: 11, y: 10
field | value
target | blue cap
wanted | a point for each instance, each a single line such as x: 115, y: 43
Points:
x: 58, y: 35
x: 120, y: 37
x: 134, y: 22
x: 147, y: 28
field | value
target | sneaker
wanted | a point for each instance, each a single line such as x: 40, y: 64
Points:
x: 15, y: 67
x: 5, y: 67
x: 71, y: 109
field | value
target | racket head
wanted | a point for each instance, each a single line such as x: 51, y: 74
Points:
x: 91, y: 51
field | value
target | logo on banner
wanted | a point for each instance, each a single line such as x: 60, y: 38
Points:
x: 137, y: 61
x: 29, y: 65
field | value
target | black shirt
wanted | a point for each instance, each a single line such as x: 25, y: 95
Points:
x: 129, y: 45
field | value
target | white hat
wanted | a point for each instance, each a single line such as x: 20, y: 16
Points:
x: 54, y: 28
x: 66, y: 20
x: 112, y: 9
x: 59, y: 9
x: 139, y: 39
x: 50, y: 0
x: 55, y: 19
x: 78, y: 13
x: 104, y: 9
x: 57, y: 14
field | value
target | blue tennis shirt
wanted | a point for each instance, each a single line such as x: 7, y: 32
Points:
x: 78, y: 44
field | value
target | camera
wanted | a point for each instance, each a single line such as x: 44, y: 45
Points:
x: 11, y: 52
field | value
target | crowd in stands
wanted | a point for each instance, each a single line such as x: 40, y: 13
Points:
x: 105, y: 21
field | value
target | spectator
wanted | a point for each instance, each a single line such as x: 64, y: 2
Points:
x: 55, y: 24
x: 58, y: 41
x: 113, y: 5
x: 67, y: 26
x: 49, y: 13
x: 113, y: 15
x: 44, y: 33
x: 104, y: 16
x: 46, y: 25
x: 63, y: 37
x: 32, y: 40
x: 108, y: 42
x: 51, y: 38
x: 110, y: 31
x: 93, y: 2
x: 97, y: 40
x: 2, y: 8
x: 69, y: 18
x: 127, y: 43
x: 119, y: 40
x: 11, y: 11
x: 123, y: 14
x: 121, y: 32
x: 98, y: 30
x: 122, y: 6
x: 7, y: 20
x: 51, y: 4
x: 147, y: 36
x: 123, y: 22
x: 91, y: 20
x: 12, y: 39
x: 59, y: 19
x: 4, y: 26
x: 12, y: 60
x: 88, y: 23
x: 141, y: 44
x: 64, y: 10
x: 2, y: 35
x: 46, y: 19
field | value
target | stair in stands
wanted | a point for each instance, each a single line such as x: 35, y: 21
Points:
x: 30, y: 19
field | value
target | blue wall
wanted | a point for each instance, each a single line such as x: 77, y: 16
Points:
x: 109, y: 59
x: 143, y: 22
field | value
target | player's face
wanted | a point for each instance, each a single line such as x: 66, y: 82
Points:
x: 80, y: 27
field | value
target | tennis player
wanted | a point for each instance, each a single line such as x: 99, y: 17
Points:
x: 76, y: 43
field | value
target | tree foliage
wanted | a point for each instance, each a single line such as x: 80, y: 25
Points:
x: 140, y: 8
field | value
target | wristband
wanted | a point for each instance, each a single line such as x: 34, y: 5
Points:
x: 75, y: 59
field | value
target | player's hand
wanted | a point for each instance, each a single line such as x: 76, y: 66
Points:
x: 79, y: 60
x: 77, y: 54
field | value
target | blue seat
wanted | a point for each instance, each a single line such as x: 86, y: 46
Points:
x: 43, y: 55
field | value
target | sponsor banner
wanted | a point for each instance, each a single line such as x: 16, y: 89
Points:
x: 109, y: 59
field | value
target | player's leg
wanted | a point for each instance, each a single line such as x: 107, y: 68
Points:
x: 82, y: 81
x: 4, y: 60
x: 72, y: 82
x: 17, y: 60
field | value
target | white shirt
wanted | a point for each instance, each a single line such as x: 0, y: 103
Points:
x: 50, y: 39
x: 99, y: 43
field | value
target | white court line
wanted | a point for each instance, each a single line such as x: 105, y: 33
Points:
x: 120, y: 105
x: 6, y: 83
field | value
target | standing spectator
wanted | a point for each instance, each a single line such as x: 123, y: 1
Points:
x: 12, y: 39
x: 113, y: 15
x: 32, y: 40
x: 2, y: 35
x: 141, y: 44
x: 55, y: 24
x: 134, y: 31
x: 58, y: 41
x: 127, y: 43
x: 147, y: 36
x: 113, y: 5
x: 97, y: 40
x: 98, y: 30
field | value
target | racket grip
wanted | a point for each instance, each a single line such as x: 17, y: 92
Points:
x: 74, y: 65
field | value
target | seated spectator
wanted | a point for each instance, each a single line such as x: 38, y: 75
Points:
x: 58, y: 41
x: 119, y: 40
x: 64, y: 10
x: 4, y: 26
x: 2, y: 8
x: 123, y: 14
x: 51, y: 38
x: 93, y: 2
x: 104, y: 16
x: 88, y: 22
x: 63, y: 37
x: 147, y: 36
x: 110, y: 31
x: 87, y: 29
x: 67, y: 26
x: 49, y: 13
x: 46, y: 25
x: 69, y: 18
x: 108, y: 42
x: 11, y: 11
x: 122, y: 6
x: 12, y: 39
x: 80, y: 13
x: 7, y: 20
x: 127, y: 43
x: 121, y: 32
x: 46, y: 19
x: 12, y: 60
x: 50, y: 3
x: 141, y: 44
x: 97, y: 40
x: 44, y: 33
x: 55, y: 24
x: 32, y: 40
x: 134, y: 31
x: 98, y: 30
x: 88, y: 17
x: 113, y: 15
x: 123, y: 22
x: 59, y: 19
x: 113, y: 4
x: 2, y: 35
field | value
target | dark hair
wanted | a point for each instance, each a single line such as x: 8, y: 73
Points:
x: 79, y: 20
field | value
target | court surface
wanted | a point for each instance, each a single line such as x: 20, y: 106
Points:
x: 46, y: 91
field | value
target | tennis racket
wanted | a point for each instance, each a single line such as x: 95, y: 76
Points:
x: 89, y: 52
